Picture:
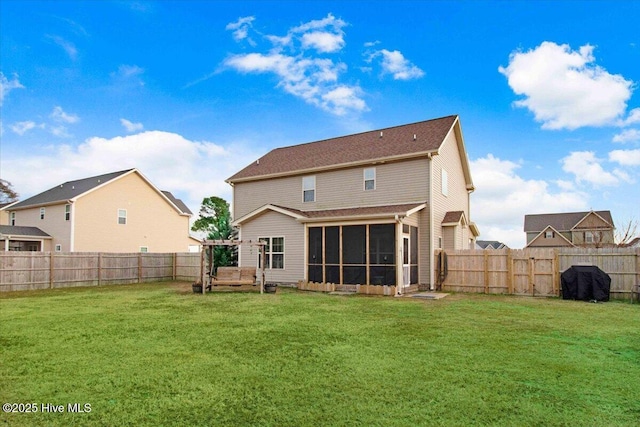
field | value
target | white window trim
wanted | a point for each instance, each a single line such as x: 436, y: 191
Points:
x: 364, y: 179
x: 444, y: 181
x: 144, y: 249
x: 67, y: 212
x: 306, y: 188
x: 269, y: 254
x: 58, y: 248
x: 125, y: 216
x: 549, y: 234
x: 12, y: 218
x: 589, y: 237
x: 42, y: 213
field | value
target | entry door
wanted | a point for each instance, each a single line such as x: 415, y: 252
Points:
x: 406, y: 270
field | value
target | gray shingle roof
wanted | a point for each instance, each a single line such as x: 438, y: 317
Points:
x: 559, y: 221
x: 386, y: 143
x: 179, y: 203
x: 15, y: 230
x: 68, y: 190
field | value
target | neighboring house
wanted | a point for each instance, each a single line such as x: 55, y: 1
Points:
x: 490, y: 244
x: 15, y: 238
x: 593, y: 228
x: 115, y: 212
x: 369, y: 208
x: 4, y: 213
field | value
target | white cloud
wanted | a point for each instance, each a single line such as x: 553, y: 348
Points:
x: 632, y: 118
x: 66, y: 45
x: 586, y: 167
x: 323, y: 41
x: 169, y: 160
x: 241, y: 28
x: 59, y: 131
x: 129, y: 70
x: 394, y: 63
x: 60, y: 116
x: 502, y: 199
x: 313, y: 79
x: 7, y: 86
x: 130, y: 126
x: 22, y: 127
x: 625, y: 157
x: 565, y: 89
x: 627, y: 135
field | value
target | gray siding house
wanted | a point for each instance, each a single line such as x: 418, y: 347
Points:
x: 569, y: 229
x: 369, y: 208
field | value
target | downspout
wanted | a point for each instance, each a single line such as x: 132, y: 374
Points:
x: 431, y: 228
x: 72, y: 234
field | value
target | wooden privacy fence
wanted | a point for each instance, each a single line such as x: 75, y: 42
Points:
x: 536, y: 272
x: 47, y: 270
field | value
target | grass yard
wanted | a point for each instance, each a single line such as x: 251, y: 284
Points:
x: 158, y: 355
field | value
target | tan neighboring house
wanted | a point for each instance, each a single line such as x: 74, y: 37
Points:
x: 369, y: 208
x: 593, y: 228
x: 115, y: 212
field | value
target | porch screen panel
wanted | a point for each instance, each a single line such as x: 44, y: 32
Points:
x: 315, y: 254
x: 354, y: 254
x: 382, y: 249
x: 332, y: 254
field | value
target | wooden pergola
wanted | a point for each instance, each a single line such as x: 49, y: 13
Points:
x: 205, y: 275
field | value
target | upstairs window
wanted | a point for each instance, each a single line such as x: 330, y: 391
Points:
x: 548, y: 234
x: 309, y: 188
x: 42, y: 210
x: 589, y: 237
x: 370, y: 179
x: 67, y: 212
x: 122, y: 216
x: 445, y: 182
x: 12, y: 218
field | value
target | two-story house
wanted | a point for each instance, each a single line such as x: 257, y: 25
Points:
x: 369, y: 208
x: 593, y: 228
x: 115, y: 212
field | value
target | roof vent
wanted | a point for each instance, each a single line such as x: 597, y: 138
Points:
x: 258, y: 162
x: 414, y: 136
x: 380, y: 134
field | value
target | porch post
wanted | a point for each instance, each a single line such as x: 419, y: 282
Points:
x: 399, y: 259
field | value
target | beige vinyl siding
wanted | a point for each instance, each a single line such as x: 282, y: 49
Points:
x: 151, y: 221
x: 424, y: 250
x: 274, y: 224
x: 396, y: 183
x: 541, y: 241
x: 53, y: 223
x: 457, y: 198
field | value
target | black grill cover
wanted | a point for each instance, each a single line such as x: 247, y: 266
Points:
x: 585, y: 283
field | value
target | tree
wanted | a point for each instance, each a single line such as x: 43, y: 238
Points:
x: 626, y: 233
x: 215, y: 222
x: 7, y: 194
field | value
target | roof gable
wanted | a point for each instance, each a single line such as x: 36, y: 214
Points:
x: 557, y: 237
x: 397, y: 142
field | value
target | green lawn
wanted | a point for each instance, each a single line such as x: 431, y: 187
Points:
x: 157, y: 354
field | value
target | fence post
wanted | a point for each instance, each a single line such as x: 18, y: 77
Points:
x: 637, y: 276
x: 509, y: 272
x: 175, y: 267
x: 532, y: 285
x: 139, y: 267
x: 99, y: 268
x: 556, y: 272
x: 51, y: 270
x: 486, y: 271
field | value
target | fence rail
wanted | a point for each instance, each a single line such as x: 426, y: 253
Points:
x: 536, y: 272
x: 47, y: 270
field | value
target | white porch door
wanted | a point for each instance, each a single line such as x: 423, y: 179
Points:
x: 406, y: 270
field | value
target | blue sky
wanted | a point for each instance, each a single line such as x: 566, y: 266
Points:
x: 189, y: 92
